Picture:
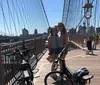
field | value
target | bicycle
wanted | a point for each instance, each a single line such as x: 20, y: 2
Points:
x: 66, y: 76
x: 25, y: 75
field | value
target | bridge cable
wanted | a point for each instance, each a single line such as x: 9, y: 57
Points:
x: 98, y: 13
x: 76, y: 13
x: 63, y: 10
x: 27, y: 20
x: 20, y: 14
x: 45, y: 13
x: 11, y: 16
x: 32, y: 25
x: 4, y: 18
x: 82, y: 9
x: 95, y: 15
x: 28, y: 16
x: 67, y: 12
x: 82, y: 17
x: 23, y: 9
x: 10, y: 21
x: 16, y: 15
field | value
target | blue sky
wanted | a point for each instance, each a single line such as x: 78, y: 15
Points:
x: 32, y: 15
x: 54, y: 10
x: 35, y: 18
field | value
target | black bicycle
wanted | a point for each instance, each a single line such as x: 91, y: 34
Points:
x: 25, y: 75
x: 66, y: 76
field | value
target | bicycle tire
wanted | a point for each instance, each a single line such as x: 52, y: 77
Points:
x: 55, y: 81
x: 29, y: 82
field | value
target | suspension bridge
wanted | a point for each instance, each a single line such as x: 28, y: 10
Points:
x: 27, y: 20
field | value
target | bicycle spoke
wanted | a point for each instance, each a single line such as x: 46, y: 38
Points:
x: 56, y: 78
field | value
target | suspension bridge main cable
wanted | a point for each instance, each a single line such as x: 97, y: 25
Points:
x: 45, y: 13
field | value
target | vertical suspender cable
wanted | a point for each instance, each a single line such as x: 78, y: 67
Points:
x: 98, y: 21
x: 95, y: 15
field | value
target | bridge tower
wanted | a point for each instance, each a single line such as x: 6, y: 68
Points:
x: 88, y: 14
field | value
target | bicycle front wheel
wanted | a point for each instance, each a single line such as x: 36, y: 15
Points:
x: 57, y: 78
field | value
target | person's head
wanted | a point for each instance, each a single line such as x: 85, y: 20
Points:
x: 90, y: 38
x: 85, y: 37
x: 61, y: 27
x: 53, y: 31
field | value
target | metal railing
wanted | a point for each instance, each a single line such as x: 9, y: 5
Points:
x: 9, y: 64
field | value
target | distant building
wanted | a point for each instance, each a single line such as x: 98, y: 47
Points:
x: 8, y: 39
x: 72, y: 31
x: 35, y: 32
x: 82, y: 30
x: 98, y: 30
x: 49, y: 29
x: 25, y: 32
x: 91, y: 30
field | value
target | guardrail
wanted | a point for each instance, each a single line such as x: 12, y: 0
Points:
x: 9, y: 64
x: 78, y: 39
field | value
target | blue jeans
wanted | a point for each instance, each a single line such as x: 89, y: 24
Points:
x: 54, y: 50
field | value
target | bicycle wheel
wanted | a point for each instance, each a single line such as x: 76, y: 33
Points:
x: 29, y: 82
x: 57, y: 78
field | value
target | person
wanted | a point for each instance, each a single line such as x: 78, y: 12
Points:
x: 93, y: 42
x: 62, y: 41
x: 52, y: 45
x: 85, y: 45
x: 96, y: 40
x: 85, y: 40
x: 89, y: 45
